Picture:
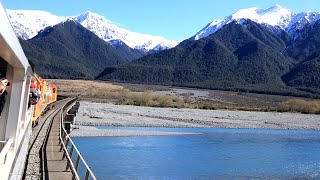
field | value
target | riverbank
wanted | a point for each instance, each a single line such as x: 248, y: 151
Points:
x: 105, y: 114
x: 167, y: 96
x: 90, y: 131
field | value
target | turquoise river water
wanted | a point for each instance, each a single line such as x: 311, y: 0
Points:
x: 213, y: 154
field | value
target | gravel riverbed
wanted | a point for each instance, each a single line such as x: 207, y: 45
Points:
x: 104, y: 114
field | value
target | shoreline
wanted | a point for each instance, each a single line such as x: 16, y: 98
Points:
x: 91, y: 131
x: 104, y: 114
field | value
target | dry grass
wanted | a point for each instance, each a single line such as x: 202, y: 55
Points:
x: 84, y: 88
x: 121, y: 94
x: 147, y: 98
x: 108, y: 92
x: 302, y: 106
x: 85, y: 84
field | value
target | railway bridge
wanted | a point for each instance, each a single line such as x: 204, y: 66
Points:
x: 52, y: 154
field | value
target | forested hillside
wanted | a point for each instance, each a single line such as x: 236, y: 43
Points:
x: 241, y: 56
x: 70, y: 51
x: 244, y: 56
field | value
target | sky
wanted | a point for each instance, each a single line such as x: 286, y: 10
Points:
x: 172, y: 19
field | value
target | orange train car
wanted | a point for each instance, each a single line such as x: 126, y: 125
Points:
x: 47, y: 93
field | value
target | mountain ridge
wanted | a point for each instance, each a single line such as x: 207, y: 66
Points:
x: 27, y: 23
x: 221, y: 60
x: 68, y: 50
x: 242, y: 55
x: 276, y: 16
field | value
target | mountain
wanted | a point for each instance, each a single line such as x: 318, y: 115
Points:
x: 274, y: 17
x: 27, y: 23
x: 107, y: 31
x: 239, y: 56
x: 306, y: 74
x: 299, y: 21
x: 258, y: 50
x: 306, y: 44
x: 70, y: 51
x: 126, y: 51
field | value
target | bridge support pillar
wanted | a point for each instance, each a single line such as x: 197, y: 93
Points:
x: 73, y: 112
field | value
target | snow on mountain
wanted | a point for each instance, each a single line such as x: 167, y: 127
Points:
x: 273, y: 17
x: 299, y: 21
x: 109, y: 32
x: 27, y: 24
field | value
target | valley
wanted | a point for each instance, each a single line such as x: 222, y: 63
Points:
x: 164, y: 89
x: 244, y: 61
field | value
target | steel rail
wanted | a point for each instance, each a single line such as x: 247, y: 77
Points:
x: 44, y: 163
x: 54, y: 111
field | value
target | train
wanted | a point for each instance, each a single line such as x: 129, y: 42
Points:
x: 47, y: 95
x: 18, y: 115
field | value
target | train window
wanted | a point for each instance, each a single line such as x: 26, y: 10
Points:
x: 3, y: 67
x: 3, y: 93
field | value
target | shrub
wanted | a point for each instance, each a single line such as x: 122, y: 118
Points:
x: 302, y: 106
x: 148, y: 99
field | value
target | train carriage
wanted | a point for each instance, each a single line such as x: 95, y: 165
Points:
x: 17, y: 114
x: 15, y: 120
x: 47, y: 95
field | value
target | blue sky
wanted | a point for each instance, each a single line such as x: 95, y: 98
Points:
x: 172, y: 19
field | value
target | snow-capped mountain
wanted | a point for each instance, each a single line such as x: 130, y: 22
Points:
x: 27, y: 24
x: 276, y: 16
x: 109, y: 32
x: 299, y: 21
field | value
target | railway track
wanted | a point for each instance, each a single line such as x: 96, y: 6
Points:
x: 35, y: 159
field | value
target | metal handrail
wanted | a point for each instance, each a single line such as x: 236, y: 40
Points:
x: 5, y: 150
x: 63, y: 135
x: 70, y: 163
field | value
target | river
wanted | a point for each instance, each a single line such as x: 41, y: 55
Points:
x: 212, y: 154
